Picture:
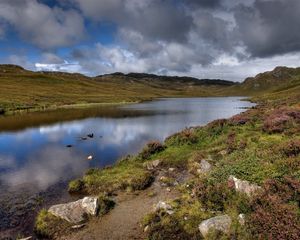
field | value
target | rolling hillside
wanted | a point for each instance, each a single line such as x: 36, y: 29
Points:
x: 26, y: 90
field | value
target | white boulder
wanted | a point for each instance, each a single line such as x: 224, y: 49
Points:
x: 219, y: 223
x: 75, y: 212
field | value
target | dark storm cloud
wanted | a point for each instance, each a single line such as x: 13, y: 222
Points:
x: 155, y: 19
x: 203, y: 3
x: 269, y: 27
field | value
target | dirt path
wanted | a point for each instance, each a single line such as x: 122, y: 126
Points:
x: 123, y: 222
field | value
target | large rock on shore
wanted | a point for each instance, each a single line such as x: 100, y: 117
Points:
x: 219, y: 223
x: 243, y: 186
x: 76, y: 212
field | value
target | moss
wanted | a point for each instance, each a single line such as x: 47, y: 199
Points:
x: 76, y: 186
x: 47, y: 225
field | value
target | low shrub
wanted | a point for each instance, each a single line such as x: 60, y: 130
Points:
x: 291, y: 148
x: 239, y: 119
x: 212, y: 196
x: 161, y: 227
x: 231, y: 142
x: 105, y: 204
x: 273, y: 219
x: 76, y: 186
x: 151, y: 148
x: 47, y: 225
x: 187, y: 136
x: 278, y: 120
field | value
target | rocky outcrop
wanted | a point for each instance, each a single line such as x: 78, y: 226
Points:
x: 219, y: 223
x: 164, y: 206
x: 243, y: 186
x: 152, y: 165
x: 76, y: 212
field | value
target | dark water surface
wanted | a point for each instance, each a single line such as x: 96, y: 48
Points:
x: 33, y: 152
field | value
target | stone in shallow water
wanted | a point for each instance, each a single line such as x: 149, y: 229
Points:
x: 75, y: 212
x: 219, y: 223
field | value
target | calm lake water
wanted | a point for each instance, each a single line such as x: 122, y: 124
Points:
x: 33, y: 152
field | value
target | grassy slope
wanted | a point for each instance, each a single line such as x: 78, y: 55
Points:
x: 261, y: 145
x: 22, y: 89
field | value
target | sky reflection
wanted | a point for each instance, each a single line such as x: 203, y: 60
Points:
x: 39, y: 157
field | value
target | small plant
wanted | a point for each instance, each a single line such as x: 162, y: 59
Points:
x: 291, y: 148
x: 212, y: 197
x: 231, y: 142
x: 278, y: 120
x: 187, y: 136
x: 47, y: 225
x: 76, y: 186
x: 105, y: 204
x: 239, y: 119
x: 151, y: 148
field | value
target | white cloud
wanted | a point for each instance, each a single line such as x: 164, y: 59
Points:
x: 41, y: 25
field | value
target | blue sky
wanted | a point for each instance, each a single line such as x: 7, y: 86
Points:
x: 229, y: 39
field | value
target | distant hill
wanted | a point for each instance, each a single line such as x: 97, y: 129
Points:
x: 22, y: 89
x: 173, y: 79
x: 277, y: 80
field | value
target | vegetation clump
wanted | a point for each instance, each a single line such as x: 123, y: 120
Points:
x: 151, y: 148
x: 273, y: 216
x: 291, y: 148
x: 48, y: 226
x: 187, y: 136
x: 105, y: 204
x: 76, y: 186
x: 280, y: 120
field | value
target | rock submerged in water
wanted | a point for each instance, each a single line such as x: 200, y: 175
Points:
x: 243, y: 186
x: 219, y: 223
x: 76, y: 212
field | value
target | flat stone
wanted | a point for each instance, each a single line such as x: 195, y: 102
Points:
x: 164, y: 206
x: 205, y: 167
x: 75, y: 212
x: 243, y: 186
x: 219, y: 223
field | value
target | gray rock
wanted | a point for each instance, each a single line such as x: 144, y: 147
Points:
x: 204, y: 167
x: 164, y: 206
x: 90, y: 205
x: 243, y: 186
x: 152, y: 165
x: 75, y: 212
x: 219, y: 223
x: 242, y: 219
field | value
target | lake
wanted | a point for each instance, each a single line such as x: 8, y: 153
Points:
x: 42, y: 151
